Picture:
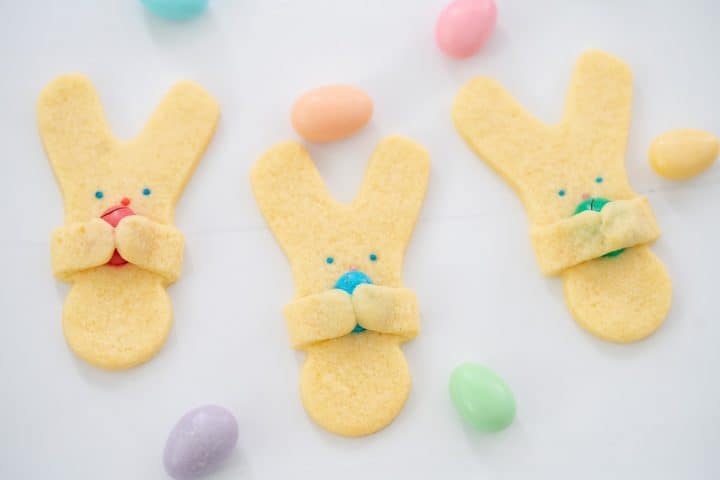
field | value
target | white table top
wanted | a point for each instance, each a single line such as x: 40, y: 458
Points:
x: 586, y: 409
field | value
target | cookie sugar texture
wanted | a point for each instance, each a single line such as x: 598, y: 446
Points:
x: 350, y: 312
x: 578, y: 166
x: 118, y: 247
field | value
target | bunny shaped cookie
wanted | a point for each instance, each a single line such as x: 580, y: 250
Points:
x: 350, y: 312
x: 118, y: 247
x: 588, y: 225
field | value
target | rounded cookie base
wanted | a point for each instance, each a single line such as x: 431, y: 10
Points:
x: 621, y: 299
x: 355, y: 385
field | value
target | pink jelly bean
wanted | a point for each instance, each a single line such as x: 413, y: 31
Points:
x: 113, y: 215
x: 464, y: 26
x: 116, y: 260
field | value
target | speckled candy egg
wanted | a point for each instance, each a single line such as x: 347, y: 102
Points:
x: 200, y: 441
x: 176, y: 9
x: 483, y: 398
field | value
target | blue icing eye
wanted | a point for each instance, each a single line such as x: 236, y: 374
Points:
x: 98, y: 194
x: 373, y: 257
x: 561, y: 193
x: 146, y: 191
x: 599, y: 180
x: 329, y: 260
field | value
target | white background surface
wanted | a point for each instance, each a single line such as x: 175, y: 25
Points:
x: 586, y: 409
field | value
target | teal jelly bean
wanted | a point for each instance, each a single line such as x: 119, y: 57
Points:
x: 348, y: 282
x: 483, y: 398
x: 176, y: 9
x: 596, y: 204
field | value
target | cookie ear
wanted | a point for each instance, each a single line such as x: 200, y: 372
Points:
x: 394, y: 186
x: 291, y: 195
x: 177, y: 134
x: 599, y: 102
x: 497, y: 127
x: 72, y: 126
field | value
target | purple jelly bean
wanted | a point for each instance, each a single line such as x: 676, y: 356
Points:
x: 200, y: 441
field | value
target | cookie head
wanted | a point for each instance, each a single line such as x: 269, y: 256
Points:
x: 358, y: 255
x: 97, y: 172
x: 118, y: 186
x: 334, y: 245
x: 567, y: 194
x: 554, y: 167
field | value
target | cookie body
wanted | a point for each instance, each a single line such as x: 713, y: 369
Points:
x: 351, y: 310
x: 116, y: 318
x: 355, y: 385
x: 571, y: 178
x: 118, y: 246
x: 620, y: 299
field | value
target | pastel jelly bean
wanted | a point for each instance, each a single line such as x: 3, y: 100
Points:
x: 113, y: 215
x: 331, y: 113
x: 596, y: 204
x: 202, y: 439
x: 176, y: 9
x: 464, y: 26
x: 483, y: 398
x: 349, y: 282
x: 116, y: 260
x: 683, y: 153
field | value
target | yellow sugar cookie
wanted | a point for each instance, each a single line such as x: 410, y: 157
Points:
x: 116, y: 317
x: 610, y: 291
x: 572, y: 181
x: 356, y: 384
x: 118, y: 246
x: 350, y: 311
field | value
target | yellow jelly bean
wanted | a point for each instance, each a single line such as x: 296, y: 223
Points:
x: 683, y: 153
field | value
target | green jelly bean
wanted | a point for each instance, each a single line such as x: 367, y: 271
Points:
x: 483, y: 398
x: 596, y: 204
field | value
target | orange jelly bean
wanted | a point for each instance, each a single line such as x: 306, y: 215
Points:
x: 330, y: 113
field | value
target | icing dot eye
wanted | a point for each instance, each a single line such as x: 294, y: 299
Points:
x: 599, y: 180
x: 99, y: 194
x: 561, y: 193
x: 329, y: 260
x: 373, y: 257
x: 146, y: 191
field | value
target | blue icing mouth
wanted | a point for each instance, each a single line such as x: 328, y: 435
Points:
x: 348, y: 282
